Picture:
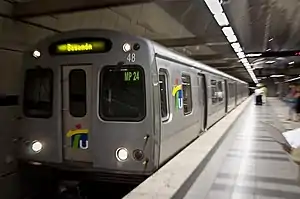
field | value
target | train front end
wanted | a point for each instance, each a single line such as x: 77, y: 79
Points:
x: 88, y: 105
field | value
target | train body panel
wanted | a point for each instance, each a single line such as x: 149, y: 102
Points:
x: 90, y: 110
x: 181, y: 123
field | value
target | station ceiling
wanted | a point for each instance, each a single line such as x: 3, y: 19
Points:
x: 184, y: 25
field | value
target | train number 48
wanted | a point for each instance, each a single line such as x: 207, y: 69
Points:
x: 131, y: 57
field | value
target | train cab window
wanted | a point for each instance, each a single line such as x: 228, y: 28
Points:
x: 187, y: 94
x: 38, y: 93
x: 77, y: 93
x: 220, y: 91
x: 122, y: 93
x: 163, y: 85
x: 214, y: 91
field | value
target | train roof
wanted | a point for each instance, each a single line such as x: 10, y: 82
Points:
x: 161, y: 50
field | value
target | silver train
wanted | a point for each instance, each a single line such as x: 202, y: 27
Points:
x: 115, y: 106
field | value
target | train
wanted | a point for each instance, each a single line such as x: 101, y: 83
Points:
x: 106, y: 104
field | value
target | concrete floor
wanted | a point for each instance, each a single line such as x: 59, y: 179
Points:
x: 250, y: 164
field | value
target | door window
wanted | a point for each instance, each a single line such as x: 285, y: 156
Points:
x: 164, y: 105
x: 187, y: 94
x: 77, y: 93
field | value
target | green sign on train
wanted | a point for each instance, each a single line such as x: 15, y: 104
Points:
x: 131, y: 76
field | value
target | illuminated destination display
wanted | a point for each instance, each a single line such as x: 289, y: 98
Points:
x: 79, y: 46
x: 131, y: 76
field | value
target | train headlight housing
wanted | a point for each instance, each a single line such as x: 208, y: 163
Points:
x: 36, y: 146
x: 122, y: 154
x: 138, y: 154
x: 126, y: 47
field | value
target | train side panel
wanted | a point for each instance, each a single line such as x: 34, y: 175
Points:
x: 216, y: 99
x: 182, y: 123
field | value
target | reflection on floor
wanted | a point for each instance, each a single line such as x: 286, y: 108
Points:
x: 253, y: 165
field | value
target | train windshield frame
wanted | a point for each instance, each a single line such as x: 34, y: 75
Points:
x: 38, y: 93
x: 122, y: 95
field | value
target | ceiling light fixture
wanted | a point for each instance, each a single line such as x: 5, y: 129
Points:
x: 276, y: 75
x: 216, y: 9
x: 254, y: 54
x: 232, y: 38
x: 214, y: 6
x: 291, y: 63
x: 221, y: 19
x: 293, y: 79
x: 240, y: 55
x: 227, y: 31
x: 270, y: 62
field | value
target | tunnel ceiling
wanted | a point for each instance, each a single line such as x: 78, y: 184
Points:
x: 186, y: 26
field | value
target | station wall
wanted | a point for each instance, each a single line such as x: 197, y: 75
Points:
x: 15, y: 37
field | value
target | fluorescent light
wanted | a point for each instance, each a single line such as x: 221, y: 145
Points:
x: 240, y: 55
x: 237, y: 50
x: 248, y: 66
x: 221, y: 19
x: 276, y: 75
x: 235, y: 45
x: 254, y: 54
x: 291, y: 63
x: 244, y: 60
x: 227, y: 31
x: 214, y: 6
x: 232, y: 38
x: 292, y: 79
x: 270, y: 62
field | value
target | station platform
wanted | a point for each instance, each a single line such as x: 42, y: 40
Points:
x: 236, y: 159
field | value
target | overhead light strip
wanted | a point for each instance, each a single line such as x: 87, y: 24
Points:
x: 216, y: 9
x: 292, y: 79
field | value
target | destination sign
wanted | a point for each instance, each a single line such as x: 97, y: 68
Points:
x: 80, y: 46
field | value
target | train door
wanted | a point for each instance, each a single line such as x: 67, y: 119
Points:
x: 202, y: 100
x: 76, y: 111
x: 226, y: 95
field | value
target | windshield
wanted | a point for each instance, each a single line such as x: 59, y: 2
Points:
x: 122, y: 93
x: 38, y: 93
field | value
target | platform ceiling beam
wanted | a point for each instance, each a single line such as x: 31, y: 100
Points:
x: 51, y: 7
x: 268, y: 72
x: 187, y: 41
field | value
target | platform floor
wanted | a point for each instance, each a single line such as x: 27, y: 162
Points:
x: 249, y: 164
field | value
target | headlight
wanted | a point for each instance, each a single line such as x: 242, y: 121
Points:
x: 36, y: 54
x: 126, y: 47
x: 121, y: 154
x: 36, y: 146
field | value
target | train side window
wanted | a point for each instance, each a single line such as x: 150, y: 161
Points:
x: 220, y: 91
x: 231, y: 90
x: 163, y: 85
x: 187, y: 94
x: 214, y: 92
x: 38, y: 93
x: 77, y: 93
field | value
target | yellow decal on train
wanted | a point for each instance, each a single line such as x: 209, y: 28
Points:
x: 178, y: 94
x: 176, y: 89
x: 79, y: 138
